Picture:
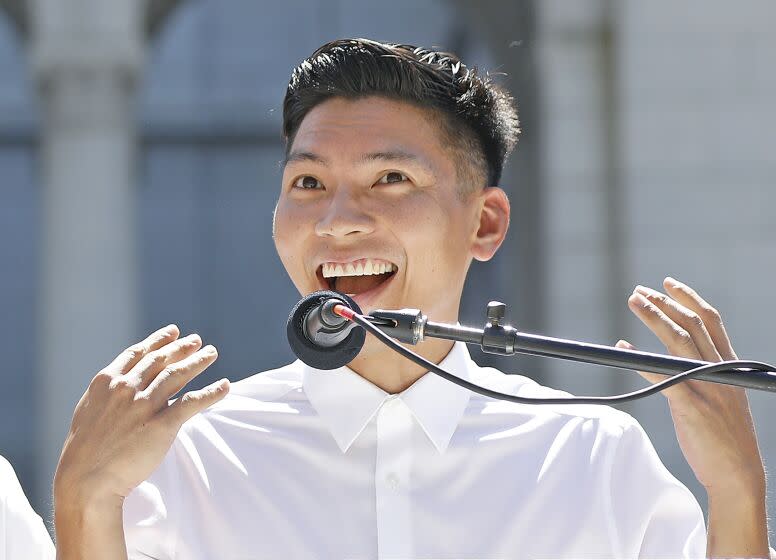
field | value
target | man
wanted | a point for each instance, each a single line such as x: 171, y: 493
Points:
x: 389, y: 191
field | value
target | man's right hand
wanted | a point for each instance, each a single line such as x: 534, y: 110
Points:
x: 122, y: 428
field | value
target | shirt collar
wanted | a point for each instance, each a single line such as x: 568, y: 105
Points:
x: 346, y: 402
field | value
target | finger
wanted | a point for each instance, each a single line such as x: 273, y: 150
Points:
x: 176, y: 375
x: 677, y: 340
x: 685, y: 318
x: 652, y: 377
x: 154, y: 362
x: 132, y: 355
x: 711, y: 317
x: 195, y: 401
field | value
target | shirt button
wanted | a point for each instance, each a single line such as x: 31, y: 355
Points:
x: 392, y: 481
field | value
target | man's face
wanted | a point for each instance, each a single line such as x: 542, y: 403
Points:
x: 370, y: 206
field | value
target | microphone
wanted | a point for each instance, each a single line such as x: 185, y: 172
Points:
x: 324, y: 340
x: 321, y: 338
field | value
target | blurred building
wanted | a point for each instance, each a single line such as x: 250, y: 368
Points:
x: 139, y: 156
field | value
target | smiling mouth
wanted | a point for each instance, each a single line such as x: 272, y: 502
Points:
x: 356, y: 277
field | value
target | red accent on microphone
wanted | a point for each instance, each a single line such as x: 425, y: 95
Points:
x: 345, y: 312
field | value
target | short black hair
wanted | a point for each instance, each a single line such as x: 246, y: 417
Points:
x: 480, y: 118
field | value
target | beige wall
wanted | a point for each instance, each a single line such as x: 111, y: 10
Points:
x: 663, y: 110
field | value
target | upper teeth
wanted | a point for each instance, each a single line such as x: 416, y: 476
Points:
x: 360, y: 267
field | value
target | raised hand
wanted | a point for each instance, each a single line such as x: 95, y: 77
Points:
x: 122, y: 427
x: 713, y: 422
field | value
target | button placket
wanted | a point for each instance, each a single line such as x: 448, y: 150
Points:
x: 392, y: 477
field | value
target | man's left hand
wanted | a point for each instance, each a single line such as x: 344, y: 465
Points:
x: 713, y: 422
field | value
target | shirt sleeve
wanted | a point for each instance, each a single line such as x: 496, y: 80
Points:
x: 654, y: 515
x: 23, y: 532
x: 151, y: 511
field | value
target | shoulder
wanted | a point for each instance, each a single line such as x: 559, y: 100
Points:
x: 263, y: 391
x: 261, y: 400
x: 6, y: 471
x: 525, y: 387
x: 9, y: 483
x: 605, y: 421
x: 268, y: 386
x: 23, y: 532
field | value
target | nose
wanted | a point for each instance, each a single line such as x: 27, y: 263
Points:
x: 344, y: 216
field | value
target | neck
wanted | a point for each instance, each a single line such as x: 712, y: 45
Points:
x: 392, y: 372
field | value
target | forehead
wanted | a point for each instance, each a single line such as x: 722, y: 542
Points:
x: 344, y: 127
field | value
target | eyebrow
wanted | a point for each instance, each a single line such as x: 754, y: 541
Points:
x: 400, y: 156
x: 294, y: 157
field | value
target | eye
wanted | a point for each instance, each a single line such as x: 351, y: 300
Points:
x: 392, y: 177
x: 307, y: 182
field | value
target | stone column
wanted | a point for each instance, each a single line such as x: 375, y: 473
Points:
x: 519, y: 269
x: 86, y: 57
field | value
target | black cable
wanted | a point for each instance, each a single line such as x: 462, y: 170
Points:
x: 729, y: 366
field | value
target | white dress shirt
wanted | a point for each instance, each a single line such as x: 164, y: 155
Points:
x: 22, y: 532
x: 301, y: 463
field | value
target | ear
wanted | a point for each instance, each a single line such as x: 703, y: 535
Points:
x: 493, y: 223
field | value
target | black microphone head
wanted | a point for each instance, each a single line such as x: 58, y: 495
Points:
x: 312, y: 354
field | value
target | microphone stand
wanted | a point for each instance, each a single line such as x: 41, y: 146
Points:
x: 411, y: 326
